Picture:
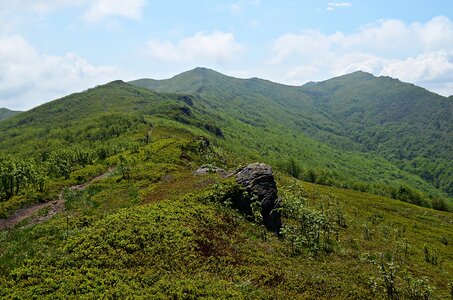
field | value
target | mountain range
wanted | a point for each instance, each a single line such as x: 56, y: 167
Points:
x: 357, y: 131
x: 406, y: 125
x: 99, y: 194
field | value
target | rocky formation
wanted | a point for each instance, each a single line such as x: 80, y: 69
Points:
x: 258, y: 190
x: 258, y: 181
x: 206, y: 169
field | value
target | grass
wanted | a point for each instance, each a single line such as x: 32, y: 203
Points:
x: 165, y: 233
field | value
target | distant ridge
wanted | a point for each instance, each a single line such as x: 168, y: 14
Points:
x: 403, y: 123
x: 7, y: 113
x: 374, y: 134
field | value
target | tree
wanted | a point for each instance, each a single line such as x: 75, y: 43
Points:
x: 293, y: 168
x: 14, y: 176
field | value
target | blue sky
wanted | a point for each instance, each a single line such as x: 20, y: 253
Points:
x: 50, y: 48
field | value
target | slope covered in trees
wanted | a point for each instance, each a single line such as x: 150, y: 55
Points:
x: 356, y: 115
x: 255, y: 118
x: 151, y: 228
x: 405, y: 124
x: 6, y: 113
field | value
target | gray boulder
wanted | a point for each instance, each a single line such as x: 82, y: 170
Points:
x: 258, y: 181
x: 206, y: 169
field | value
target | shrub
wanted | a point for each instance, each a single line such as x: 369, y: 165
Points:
x: 439, y: 204
x: 309, y: 228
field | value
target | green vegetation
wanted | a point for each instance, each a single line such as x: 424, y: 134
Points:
x: 409, y: 126
x: 357, y: 131
x: 138, y: 223
x: 163, y: 232
x: 6, y: 113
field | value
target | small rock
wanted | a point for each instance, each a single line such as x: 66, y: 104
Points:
x: 167, y: 178
x: 206, y: 169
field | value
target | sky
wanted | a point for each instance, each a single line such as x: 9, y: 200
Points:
x: 51, y: 48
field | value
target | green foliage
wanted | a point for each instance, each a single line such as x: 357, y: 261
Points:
x: 355, y: 131
x: 152, y: 250
x: 293, y: 168
x: 150, y: 228
x: 14, y: 204
x: 439, y: 204
x: 16, y: 175
x: 400, y: 284
x: 106, y: 120
x: 6, y: 113
x: 407, y: 194
x: 388, y: 271
x: 417, y: 289
x: 312, y: 229
x: 430, y: 255
x: 124, y: 167
x: 61, y: 163
x: 197, y: 246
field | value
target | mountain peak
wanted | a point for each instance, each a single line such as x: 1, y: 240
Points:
x: 362, y: 72
x: 358, y: 75
x: 201, y: 72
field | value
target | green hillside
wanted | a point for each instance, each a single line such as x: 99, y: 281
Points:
x: 98, y: 199
x: 6, y: 113
x: 333, y: 128
x: 405, y: 124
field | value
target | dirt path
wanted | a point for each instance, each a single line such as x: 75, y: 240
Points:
x: 56, y: 206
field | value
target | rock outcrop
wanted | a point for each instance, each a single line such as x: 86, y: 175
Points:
x: 258, y: 181
x: 206, y: 169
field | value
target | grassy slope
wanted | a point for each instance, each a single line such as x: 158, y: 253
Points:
x: 163, y: 233
x: 259, y: 135
x: 79, y: 117
x: 107, y: 119
x: 294, y: 120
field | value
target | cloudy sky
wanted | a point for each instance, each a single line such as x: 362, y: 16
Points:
x: 50, y: 48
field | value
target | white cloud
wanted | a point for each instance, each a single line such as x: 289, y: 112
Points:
x: 340, y: 4
x: 29, y: 78
x: 14, y: 13
x: 20, y: 11
x: 217, y: 47
x: 309, y: 44
x: 417, y: 52
x: 239, y: 6
x: 433, y: 67
x: 99, y: 9
x: 39, y: 7
x: 334, y: 5
x: 392, y: 37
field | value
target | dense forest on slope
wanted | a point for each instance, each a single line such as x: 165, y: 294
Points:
x: 6, y: 113
x: 138, y: 223
x: 405, y: 124
x: 351, y: 120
